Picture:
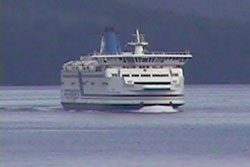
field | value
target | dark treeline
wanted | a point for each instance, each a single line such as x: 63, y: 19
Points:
x: 39, y: 36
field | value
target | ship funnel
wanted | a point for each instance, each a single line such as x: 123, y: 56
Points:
x: 110, y: 43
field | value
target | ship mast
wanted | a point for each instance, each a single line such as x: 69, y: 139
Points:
x: 102, y: 45
x: 139, y: 43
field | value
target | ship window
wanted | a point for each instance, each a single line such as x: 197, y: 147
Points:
x: 135, y: 75
x: 98, y: 69
x: 145, y: 75
x: 114, y: 75
x: 125, y: 75
x: 105, y: 83
x: 129, y: 59
x: 144, y: 60
x: 175, y: 75
x: 160, y: 75
x: 152, y: 83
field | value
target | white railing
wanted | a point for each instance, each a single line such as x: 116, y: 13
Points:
x: 168, y: 53
x: 146, y: 53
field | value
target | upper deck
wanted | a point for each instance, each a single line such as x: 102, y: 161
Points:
x: 147, y: 58
x: 114, y: 57
x: 111, y: 55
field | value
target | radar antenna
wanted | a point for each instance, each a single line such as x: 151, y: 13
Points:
x: 139, y: 43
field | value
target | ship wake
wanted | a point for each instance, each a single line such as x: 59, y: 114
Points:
x: 157, y: 109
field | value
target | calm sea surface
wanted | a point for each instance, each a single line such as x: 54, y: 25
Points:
x: 211, y: 130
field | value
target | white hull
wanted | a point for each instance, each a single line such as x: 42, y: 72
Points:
x: 124, y: 79
x: 116, y: 93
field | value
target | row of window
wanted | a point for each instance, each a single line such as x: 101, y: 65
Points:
x: 142, y: 67
x: 147, y: 75
x: 91, y: 83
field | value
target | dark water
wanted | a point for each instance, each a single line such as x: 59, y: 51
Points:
x: 212, y: 130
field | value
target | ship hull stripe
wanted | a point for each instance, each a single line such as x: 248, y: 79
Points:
x: 110, y: 107
x: 141, y: 95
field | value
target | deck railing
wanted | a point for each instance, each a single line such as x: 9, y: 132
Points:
x: 146, y: 53
x: 168, y: 53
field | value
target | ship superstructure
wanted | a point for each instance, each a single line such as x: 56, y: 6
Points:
x: 112, y: 79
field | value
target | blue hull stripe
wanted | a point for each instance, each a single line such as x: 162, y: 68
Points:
x: 141, y: 95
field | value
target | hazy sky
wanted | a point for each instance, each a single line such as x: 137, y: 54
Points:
x: 39, y: 36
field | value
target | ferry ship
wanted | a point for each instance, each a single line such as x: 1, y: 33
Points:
x: 112, y: 79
